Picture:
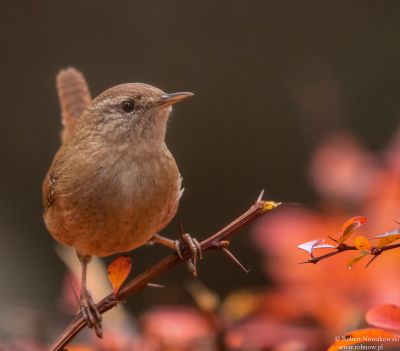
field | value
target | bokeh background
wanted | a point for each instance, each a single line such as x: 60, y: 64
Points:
x: 272, y: 80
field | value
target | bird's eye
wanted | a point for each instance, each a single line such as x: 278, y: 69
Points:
x: 127, y: 106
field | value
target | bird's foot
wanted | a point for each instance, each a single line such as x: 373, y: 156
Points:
x: 187, y: 242
x: 90, y: 312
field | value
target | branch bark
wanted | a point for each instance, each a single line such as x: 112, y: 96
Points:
x: 219, y: 240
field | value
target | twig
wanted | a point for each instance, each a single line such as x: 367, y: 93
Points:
x: 374, y: 251
x: 340, y: 248
x: 217, y: 241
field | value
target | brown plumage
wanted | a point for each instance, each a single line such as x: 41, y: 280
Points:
x: 113, y: 183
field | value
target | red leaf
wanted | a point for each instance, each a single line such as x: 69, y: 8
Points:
x: 384, y: 316
x: 118, y: 271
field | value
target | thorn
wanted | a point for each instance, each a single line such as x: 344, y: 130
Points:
x: 154, y: 285
x: 397, y: 222
x: 234, y: 259
x: 313, y: 261
x: 370, y: 261
x: 333, y: 239
x: 260, y: 197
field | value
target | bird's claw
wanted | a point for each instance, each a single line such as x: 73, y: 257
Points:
x: 189, y: 243
x: 90, y: 313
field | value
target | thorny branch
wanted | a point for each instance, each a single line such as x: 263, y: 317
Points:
x: 374, y: 251
x: 217, y: 241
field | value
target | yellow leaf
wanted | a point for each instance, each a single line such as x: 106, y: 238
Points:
x: 362, y: 243
x: 354, y: 260
x: 388, y: 238
x: 118, y: 271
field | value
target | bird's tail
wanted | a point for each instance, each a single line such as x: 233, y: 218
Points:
x: 74, y: 96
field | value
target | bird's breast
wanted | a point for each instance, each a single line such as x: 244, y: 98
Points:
x: 119, y: 204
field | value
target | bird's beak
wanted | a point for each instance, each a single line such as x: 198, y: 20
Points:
x: 171, y: 99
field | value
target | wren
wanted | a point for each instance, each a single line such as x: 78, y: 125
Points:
x: 113, y: 184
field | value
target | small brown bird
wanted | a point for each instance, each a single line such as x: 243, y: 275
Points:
x: 113, y: 184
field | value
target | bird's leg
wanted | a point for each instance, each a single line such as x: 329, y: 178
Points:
x: 187, y: 242
x: 88, y: 307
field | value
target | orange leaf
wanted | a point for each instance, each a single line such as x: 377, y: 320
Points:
x: 362, y: 243
x: 388, y: 238
x: 351, y: 225
x: 118, y: 271
x: 354, y: 260
x: 363, y: 336
x: 384, y: 316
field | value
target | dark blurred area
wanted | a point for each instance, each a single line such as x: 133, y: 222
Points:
x: 271, y: 80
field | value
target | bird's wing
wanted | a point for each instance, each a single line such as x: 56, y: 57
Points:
x: 74, y: 96
x: 50, y: 181
x: 48, y: 188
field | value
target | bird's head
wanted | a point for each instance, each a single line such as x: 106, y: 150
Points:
x: 131, y: 111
